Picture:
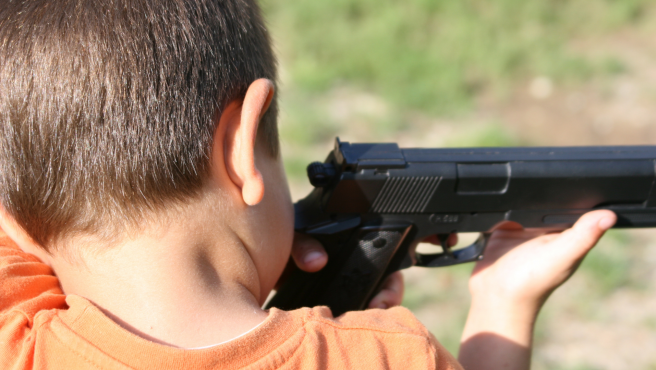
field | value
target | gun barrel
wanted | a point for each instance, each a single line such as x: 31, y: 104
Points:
x: 537, y: 187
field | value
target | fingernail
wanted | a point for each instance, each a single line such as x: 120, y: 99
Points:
x: 312, y: 256
x: 606, y: 223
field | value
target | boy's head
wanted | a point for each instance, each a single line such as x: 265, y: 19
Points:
x: 108, y: 108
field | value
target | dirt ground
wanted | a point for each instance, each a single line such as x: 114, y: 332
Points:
x: 619, y: 110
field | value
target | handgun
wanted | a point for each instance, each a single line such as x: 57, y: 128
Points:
x: 372, y: 204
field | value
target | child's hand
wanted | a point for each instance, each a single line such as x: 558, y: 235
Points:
x: 509, y: 286
x: 310, y: 256
x: 524, y: 267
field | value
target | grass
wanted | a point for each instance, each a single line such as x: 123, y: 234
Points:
x: 417, y: 295
x: 609, y: 266
x: 438, y: 55
x: 439, y: 297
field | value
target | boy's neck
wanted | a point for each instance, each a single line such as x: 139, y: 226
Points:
x: 186, y: 283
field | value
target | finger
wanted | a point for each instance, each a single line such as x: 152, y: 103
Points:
x: 452, y: 240
x: 503, y: 241
x: 586, y: 232
x: 391, y: 293
x: 308, y: 254
x: 434, y: 239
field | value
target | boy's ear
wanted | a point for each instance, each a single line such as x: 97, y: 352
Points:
x: 235, y: 139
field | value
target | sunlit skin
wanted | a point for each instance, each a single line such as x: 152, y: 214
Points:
x: 198, y: 274
x: 512, y: 282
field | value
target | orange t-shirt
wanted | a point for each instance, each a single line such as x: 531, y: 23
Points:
x: 41, y: 328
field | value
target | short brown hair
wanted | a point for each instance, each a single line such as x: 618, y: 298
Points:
x: 108, y: 108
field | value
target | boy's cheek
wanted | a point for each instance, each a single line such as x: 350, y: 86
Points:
x: 275, y: 227
x: 282, y: 219
x: 275, y: 256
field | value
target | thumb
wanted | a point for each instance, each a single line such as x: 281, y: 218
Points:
x: 308, y: 254
x: 586, y: 232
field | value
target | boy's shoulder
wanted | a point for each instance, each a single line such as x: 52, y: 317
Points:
x: 391, y: 338
x: 396, y: 320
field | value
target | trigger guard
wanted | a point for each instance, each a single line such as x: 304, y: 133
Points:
x: 474, y: 252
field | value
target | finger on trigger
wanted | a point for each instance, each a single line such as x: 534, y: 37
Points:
x: 453, y: 240
x: 434, y: 239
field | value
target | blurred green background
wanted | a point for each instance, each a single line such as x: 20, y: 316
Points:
x: 487, y: 73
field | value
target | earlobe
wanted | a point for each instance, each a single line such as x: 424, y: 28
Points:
x: 237, y: 131
x: 253, y: 191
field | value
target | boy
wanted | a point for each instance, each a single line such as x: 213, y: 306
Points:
x: 139, y: 162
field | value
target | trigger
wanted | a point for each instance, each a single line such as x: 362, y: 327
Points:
x: 471, y: 253
x: 444, y: 242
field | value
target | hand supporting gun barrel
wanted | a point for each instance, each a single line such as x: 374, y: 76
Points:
x: 373, y: 203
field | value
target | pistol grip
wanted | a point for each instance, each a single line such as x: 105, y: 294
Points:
x: 352, y: 275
